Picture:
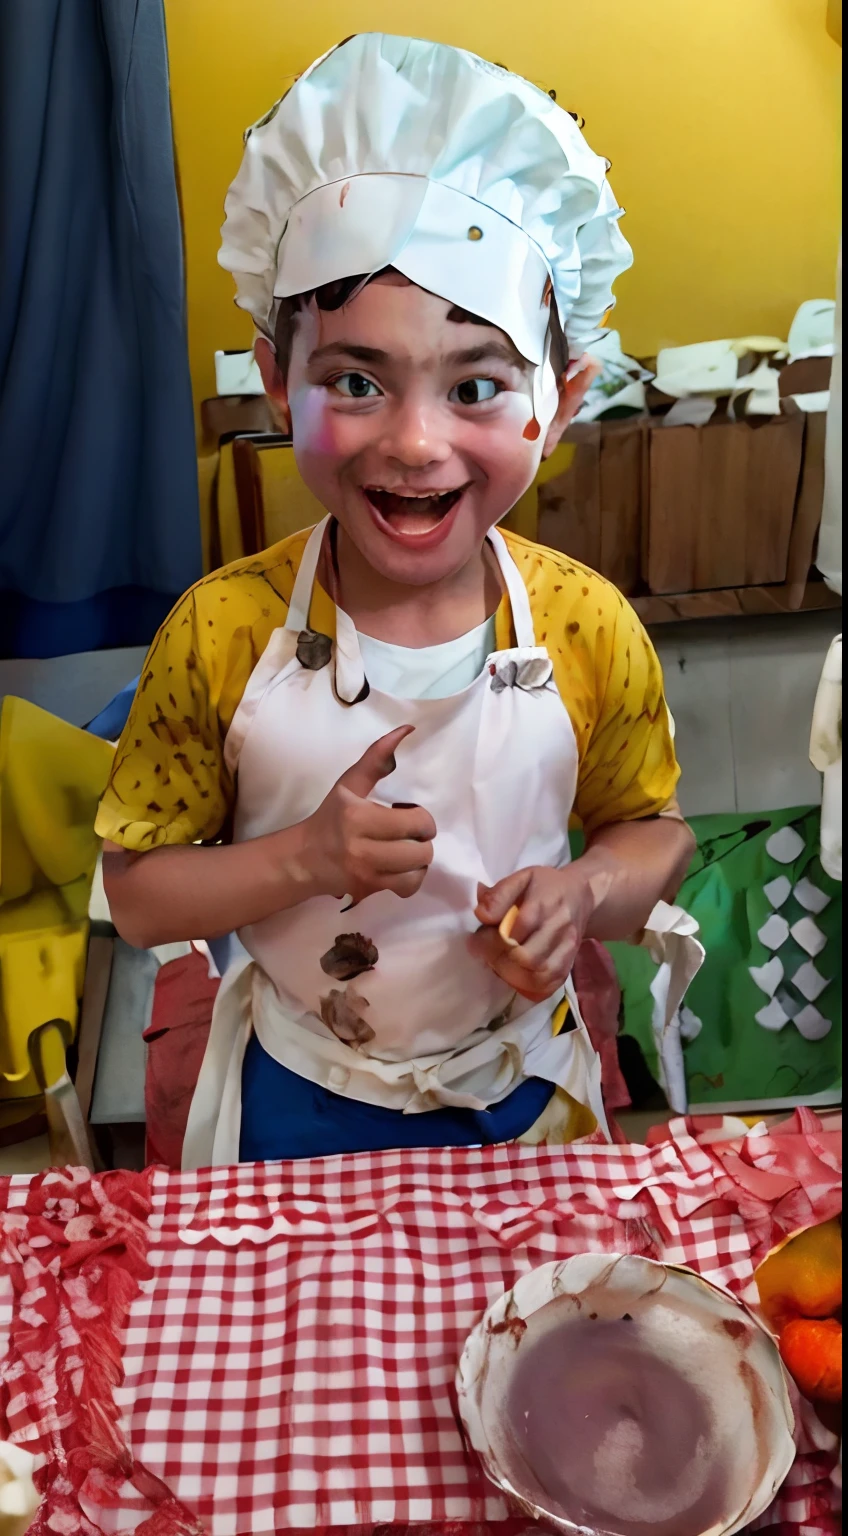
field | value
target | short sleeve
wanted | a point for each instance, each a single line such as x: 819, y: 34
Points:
x: 628, y: 768
x: 169, y: 783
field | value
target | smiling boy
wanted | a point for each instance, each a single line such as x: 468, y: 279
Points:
x: 396, y: 713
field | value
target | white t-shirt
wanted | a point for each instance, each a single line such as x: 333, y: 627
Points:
x: 431, y: 671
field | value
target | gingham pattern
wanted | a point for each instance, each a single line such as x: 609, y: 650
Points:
x: 302, y: 1376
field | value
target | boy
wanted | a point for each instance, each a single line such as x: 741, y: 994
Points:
x: 397, y: 712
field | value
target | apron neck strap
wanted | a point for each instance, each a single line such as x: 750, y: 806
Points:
x: 297, y: 618
x: 301, y: 598
x: 519, y: 602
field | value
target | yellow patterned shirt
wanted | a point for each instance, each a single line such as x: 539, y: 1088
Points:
x: 169, y: 783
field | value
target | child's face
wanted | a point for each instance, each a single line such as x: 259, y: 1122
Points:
x: 414, y: 430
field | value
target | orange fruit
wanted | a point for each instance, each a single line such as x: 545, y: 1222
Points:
x: 804, y: 1277
x: 811, y: 1349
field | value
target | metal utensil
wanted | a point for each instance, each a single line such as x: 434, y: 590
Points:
x: 66, y: 1129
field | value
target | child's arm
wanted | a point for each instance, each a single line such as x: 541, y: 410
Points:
x: 638, y: 846
x: 608, y: 893
x: 350, y: 846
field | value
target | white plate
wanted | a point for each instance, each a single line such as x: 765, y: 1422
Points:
x: 672, y: 1359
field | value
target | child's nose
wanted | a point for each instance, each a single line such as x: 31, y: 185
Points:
x: 416, y: 436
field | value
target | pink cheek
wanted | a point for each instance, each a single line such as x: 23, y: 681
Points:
x: 504, y: 445
x: 319, y: 430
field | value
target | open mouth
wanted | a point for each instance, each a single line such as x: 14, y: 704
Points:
x: 413, y: 514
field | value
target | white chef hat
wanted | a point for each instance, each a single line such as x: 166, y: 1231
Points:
x: 470, y: 181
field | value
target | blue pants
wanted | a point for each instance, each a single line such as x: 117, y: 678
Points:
x: 286, y: 1116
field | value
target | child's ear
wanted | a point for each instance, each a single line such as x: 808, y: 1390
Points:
x: 572, y: 388
x: 273, y: 382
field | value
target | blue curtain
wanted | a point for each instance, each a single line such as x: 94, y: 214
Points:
x: 99, y: 526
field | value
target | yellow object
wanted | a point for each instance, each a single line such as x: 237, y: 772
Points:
x: 524, y: 517
x: 229, y: 526
x: 51, y: 776
x: 803, y: 1278
x: 207, y: 485
x: 169, y: 783
x: 717, y: 118
x: 563, y: 1120
x: 506, y: 927
x: 289, y: 504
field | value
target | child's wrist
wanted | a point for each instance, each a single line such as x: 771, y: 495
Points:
x: 298, y: 865
x: 599, y: 873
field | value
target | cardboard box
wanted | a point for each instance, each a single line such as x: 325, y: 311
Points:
x: 721, y: 502
x: 593, y: 510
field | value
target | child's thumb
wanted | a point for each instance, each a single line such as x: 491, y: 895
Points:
x: 495, y: 902
x: 376, y: 763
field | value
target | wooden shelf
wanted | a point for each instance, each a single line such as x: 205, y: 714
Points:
x: 735, y: 602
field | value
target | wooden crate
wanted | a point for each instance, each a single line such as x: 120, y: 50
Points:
x: 594, y: 509
x: 721, y: 503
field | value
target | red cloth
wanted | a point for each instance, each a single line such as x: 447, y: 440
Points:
x: 289, y: 1364
x: 183, y: 999
x: 599, y: 995
x: 74, y: 1249
x: 789, y: 1177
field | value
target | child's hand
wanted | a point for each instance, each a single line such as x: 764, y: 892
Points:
x: 554, y: 907
x: 357, y: 847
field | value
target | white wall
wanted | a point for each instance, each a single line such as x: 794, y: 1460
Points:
x: 74, y: 687
x: 741, y: 692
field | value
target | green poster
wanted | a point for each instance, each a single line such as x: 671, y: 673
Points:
x: 762, y: 1021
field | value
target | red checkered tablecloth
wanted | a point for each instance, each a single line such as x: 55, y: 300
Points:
x: 288, y: 1363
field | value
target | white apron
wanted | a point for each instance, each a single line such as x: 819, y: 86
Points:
x: 423, y: 1023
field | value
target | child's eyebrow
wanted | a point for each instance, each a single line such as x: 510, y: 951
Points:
x: 484, y: 352
x: 487, y: 351
x: 356, y: 353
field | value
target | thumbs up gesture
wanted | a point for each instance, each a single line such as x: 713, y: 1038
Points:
x: 358, y: 847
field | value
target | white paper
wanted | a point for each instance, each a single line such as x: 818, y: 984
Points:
x: 706, y: 368
x: 807, y: 933
x: 762, y: 389
x: 829, y: 553
x: 785, y: 845
x: 811, y: 332
x: 810, y: 897
x: 621, y: 383
x: 767, y: 977
x: 772, y: 1017
x: 669, y: 938
x: 774, y: 932
x: 778, y: 890
x: 826, y: 756
x: 690, y: 411
x: 237, y: 373
x: 812, y: 1024
x: 818, y: 401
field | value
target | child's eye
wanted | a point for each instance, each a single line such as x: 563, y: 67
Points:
x: 354, y: 386
x: 474, y: 391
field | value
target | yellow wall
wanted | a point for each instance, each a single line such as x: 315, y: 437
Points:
x: 720, y: 117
